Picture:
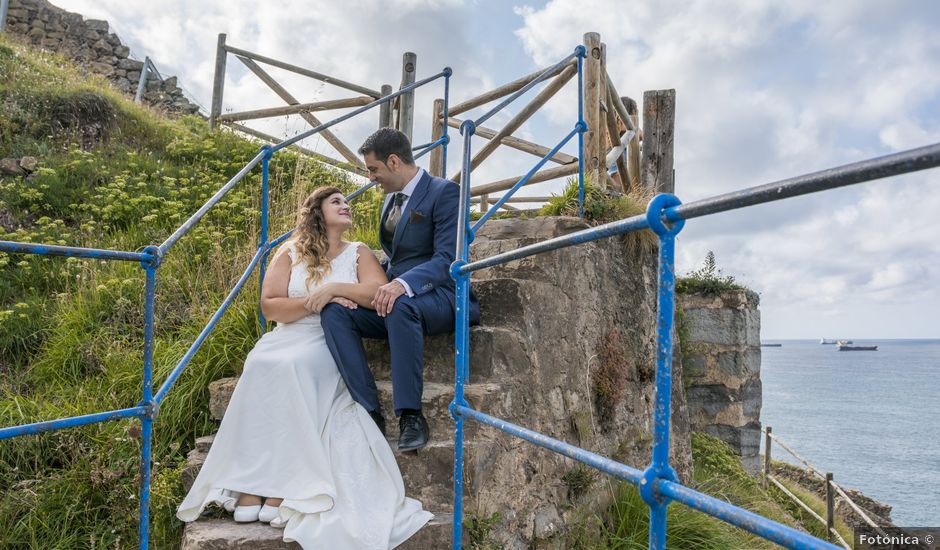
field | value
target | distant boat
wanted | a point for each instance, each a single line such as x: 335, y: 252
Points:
x: 834, y: 342
x: 844, y: 347
x: 771, y: 345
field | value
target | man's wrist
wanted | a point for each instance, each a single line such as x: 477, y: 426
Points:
x: 405, y: 286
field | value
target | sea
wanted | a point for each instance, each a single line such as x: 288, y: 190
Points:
x: 872, y: 418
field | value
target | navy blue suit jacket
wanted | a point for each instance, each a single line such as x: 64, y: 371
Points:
x: 425, y: 241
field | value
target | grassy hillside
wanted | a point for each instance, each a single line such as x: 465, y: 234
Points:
x: 114, y: 175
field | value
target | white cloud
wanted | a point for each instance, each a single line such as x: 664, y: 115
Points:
x: 765, y: 91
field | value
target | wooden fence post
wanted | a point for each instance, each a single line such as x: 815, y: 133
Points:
x: 830, y: 507
x: 219, y: 82
x: 385, y: 109
x: 406, y: 114
x: 603, y: 106
x: 659, y: 117
x: 436, y: 166
x: 592, y: 111
x: 766, y: 456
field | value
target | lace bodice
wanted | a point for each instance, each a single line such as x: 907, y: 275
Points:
x: 343, y: 270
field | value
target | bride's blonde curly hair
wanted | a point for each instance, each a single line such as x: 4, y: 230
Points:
x: 310, y: 240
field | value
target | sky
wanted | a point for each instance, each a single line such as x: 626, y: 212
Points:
x: 764, y: 91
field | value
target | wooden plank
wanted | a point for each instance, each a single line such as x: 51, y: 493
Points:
x: 299, y: 108
x: 406, y: 116
x: 503, y: 90
x: 830, y: 508
x: 517, y: 143
x: 767, y: 441
x: 385, y: 109
x: 316, y: 156
x: 306, y: 72
x: 478, y: 200
x: 796, y: 499
x: 538, y: 177
x: 312, y: 120
x: 436, y: 166
x: 592, y: 111
x: 614, y: 137
x: 632, y: 122
x: 515, y: 122
x: 602, y: 137
x: 218, y: 83
x: 659, y: 117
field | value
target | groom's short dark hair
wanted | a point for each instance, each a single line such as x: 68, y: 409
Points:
x: 388, y: 141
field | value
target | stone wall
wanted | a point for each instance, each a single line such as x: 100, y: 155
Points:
x: 583, y: 371
x: 721, y: 359
x: 94, y: 49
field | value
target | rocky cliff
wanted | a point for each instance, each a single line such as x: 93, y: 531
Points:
x: 89, y: 43
x: 721, y: 355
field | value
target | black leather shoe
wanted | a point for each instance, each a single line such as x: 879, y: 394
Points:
x: 379, y: 420
x: 414, y: 431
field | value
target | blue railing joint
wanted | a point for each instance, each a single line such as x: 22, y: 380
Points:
x: 153, y: 257
x: 655, y: 213
x: 267, y: 151
x: 149, y: 409
x: 456, y: 269
x: 581, y: 126
x: 447, y: 72
x: 467, y: 126
x: 647, y: 485
x: 580, y: 51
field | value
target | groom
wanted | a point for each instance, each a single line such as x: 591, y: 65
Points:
x: 418, y: 232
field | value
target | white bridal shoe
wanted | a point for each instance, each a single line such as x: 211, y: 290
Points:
x: 267, y: 513
x: 247, y: 514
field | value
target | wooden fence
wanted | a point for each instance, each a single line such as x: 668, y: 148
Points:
x: 645, y: 170
x: 832, y: 488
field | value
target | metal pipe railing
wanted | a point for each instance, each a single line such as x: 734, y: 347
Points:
x: 70, y: 422
x: 72, y: 252
x: 522, y: 181
x: 545, y: 74
x: 304, y: 135
x: 194, y: 219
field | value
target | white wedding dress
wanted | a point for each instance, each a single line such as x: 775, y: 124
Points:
x: 293, y: 431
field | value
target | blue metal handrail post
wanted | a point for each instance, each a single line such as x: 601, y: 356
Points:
x: 263, y: 239
x: 582, y: 127
x: 147, y: 402
x: 461, y: 328
x: 660, y: 468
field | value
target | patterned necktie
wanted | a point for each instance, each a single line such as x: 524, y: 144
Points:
x: 392, y: 216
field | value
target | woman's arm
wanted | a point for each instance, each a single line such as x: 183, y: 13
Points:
x: 275, y: 305
x: 371, y: 277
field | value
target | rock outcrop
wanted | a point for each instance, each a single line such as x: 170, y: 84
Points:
x: 567, y: 348
x: 721, y: 356
x: 94, y: 49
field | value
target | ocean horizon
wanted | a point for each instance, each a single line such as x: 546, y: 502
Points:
x: 869, y: 417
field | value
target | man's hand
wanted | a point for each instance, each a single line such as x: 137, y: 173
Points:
x: 385, y: 297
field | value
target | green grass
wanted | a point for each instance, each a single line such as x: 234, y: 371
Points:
x: 115, y: 175
x: 718, y: 472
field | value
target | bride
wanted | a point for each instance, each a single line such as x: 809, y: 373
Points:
x: 294, y: 449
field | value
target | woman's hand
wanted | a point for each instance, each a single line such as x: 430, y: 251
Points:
x: 318, y: 299
x: 345, y: 302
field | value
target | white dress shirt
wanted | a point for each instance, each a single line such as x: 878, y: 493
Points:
x: 407, y: 192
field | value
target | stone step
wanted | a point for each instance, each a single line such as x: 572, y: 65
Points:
x: 427, y: 473
x: 225, y: 534
x: 436, y: 406
x: 436, y: 400
x: 495, y: 352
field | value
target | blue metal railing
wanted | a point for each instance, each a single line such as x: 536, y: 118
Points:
x: 150, y: 260
x: 665, y: 216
